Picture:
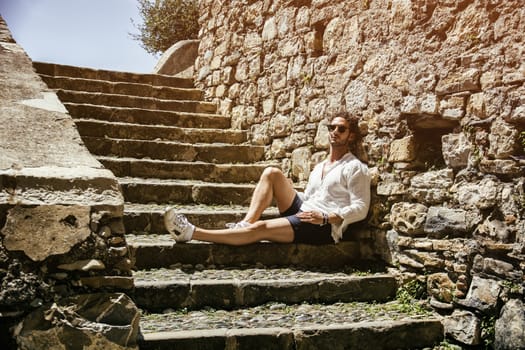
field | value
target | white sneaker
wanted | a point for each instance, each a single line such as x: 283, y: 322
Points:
x: 240, y: 224
x: 178, y: 222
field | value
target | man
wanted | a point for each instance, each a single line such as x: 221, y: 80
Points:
x: 337, y: 194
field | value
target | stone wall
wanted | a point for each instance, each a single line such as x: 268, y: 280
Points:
x: 61, y: 229
x: 439, y: 89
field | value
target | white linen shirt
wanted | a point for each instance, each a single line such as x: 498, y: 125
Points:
x: 344, y: 190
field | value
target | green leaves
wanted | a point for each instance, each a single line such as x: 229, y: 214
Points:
x: 166, y: 22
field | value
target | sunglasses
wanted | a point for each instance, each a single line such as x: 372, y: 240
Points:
x: 340, y: 128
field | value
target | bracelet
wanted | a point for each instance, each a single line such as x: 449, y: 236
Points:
x: 325, y: 219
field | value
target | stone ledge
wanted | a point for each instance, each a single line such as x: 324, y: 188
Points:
x: 153, y: 251
x: 81, y: 186
x: 148, y: 116
x: 364, y: 335
x: 167, y: 289
x: 98, y: 282
x: 101, y: 74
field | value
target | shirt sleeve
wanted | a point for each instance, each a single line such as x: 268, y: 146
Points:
x: 357, y: 180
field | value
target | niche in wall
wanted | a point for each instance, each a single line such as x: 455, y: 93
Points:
x: 428, y: 132
x: 318, y: 33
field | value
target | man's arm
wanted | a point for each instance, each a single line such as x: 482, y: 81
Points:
x: 358, y: 185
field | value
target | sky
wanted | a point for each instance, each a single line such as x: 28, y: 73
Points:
x: 85, y: 33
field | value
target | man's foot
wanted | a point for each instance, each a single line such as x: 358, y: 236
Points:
x: 178, y: 223
x: 240, y: 224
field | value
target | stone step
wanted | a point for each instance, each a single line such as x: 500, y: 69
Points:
x: 100, y: 74
x: 307, y: 326
x: 121, y: 88
x: 78, y: 187
x: 142, y: 219
x: 114, y: 100
x: 147, y: 116
x: 167, y: 150
x: 156, y: 251
x: 141, y: 190
x: 100, y: 128
x: 186, y: 287
x: 161, y: 169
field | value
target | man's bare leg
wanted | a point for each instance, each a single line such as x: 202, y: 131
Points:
x: 275, y: 230
x: 272, y: 185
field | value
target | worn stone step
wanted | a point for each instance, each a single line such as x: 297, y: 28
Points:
x: 99, y: 128
x: 147, y: 116
x: 78, y: 186
x: 183, y: 287
x: 141, y: 190
x: 114, y: 100
x: 168, y: 150
x: 142, y: 219
x: 121, y: 88
x: 151, y: 168
x: 53, y: 69
x: 155, y: 251
x: 354, y: 325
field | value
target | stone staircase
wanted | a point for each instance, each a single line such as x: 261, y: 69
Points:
x: 167, y: 146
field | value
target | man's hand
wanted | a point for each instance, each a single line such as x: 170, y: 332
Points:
x: 316, y: 217
x: 312, y: 217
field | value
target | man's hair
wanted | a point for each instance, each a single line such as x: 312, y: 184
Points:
x: 352, y: 121
x: 356, y: 147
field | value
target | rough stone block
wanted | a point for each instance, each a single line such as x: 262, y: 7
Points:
x: 482, y: 295
x: 221, y: 293
x: 452, y: 107
x: 497, y: 268
x: 402, y: 150
x: 503, y: 140
x: 510, y: 326
x: 391, y: 188
x: 464, y: 327
x: 373, y: 335
x: 410, y: 105
x: 507, y: 167
x: 408, y: 218
x: 103, y: 321
x: 481, y: 195
x: 253, y: 41
x: 270, y: 29
x: 467, y: 80
x: 429, y: 104
x: 268, y: 338
x: 66, y: 226
x: 441, y: 287
x: 432, y: 186
x: 290, y: 47
x: 456, y: 150
x: 442, y: 221
x: 476, y: 106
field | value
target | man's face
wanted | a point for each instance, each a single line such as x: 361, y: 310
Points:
x: 339, y: 131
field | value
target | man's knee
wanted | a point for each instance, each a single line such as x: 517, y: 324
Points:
x: 272, y: 173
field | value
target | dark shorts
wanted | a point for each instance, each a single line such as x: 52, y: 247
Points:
x: 305, y: 232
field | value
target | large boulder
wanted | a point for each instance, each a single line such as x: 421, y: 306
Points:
x: 88, y: 321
